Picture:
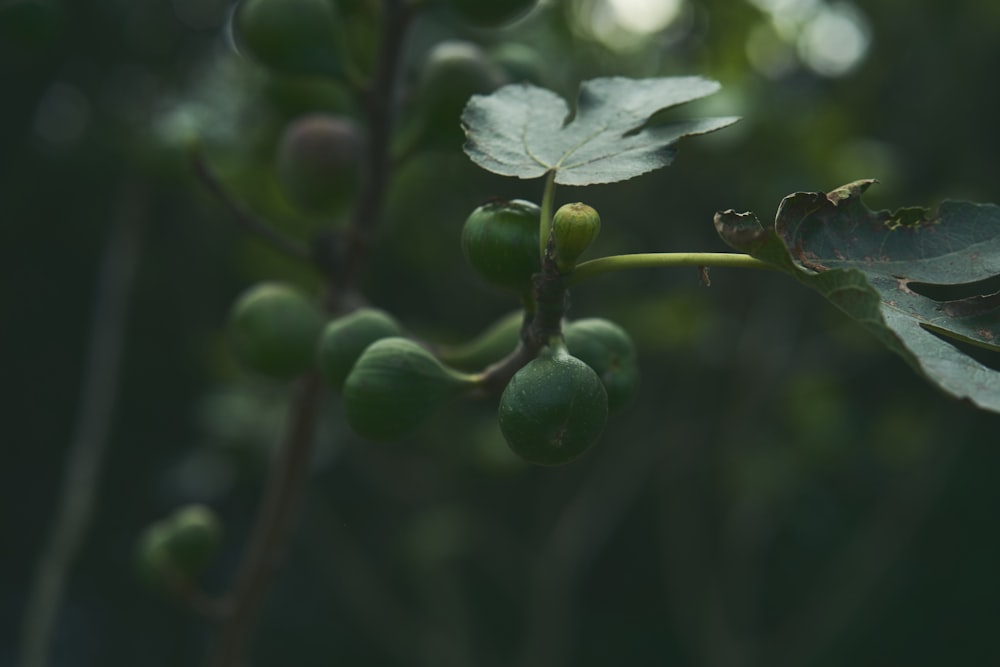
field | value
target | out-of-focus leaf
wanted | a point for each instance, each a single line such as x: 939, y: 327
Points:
x: 872, y: 265
x: 525, y: 131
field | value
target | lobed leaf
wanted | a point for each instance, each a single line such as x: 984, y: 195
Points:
x: 874, y: 265
x: 525, y: 131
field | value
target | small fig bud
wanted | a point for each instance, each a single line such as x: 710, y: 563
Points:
x: 345, y: 338
x: 609, y: 350
x: 553, y: 409
x: 492, y: 13
x: 500, y: 240
x: 574, y: 228
x: 274, y: 329
x: 395, y: 386
x: 318, y: 161
x: 292, y: 36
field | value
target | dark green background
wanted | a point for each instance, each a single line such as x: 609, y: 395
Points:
x: 782, y: 491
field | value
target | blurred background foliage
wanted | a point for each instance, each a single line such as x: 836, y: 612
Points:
x: 782, y: 491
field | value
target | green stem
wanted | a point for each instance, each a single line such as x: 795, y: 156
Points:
x: 648, y: 260
x: 545, y: 229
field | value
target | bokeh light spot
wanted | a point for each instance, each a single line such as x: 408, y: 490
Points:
x: 835, y: 41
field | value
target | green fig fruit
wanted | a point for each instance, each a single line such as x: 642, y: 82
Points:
x: 319, y: 161
x: 490, y: 13
x: 453, y: 72
x: 574, y: 228
x: 500, y: 241
x: 490, y: 346
x: 609, y: 350
x: 345, y: 338
x: 152, y: 557
x: 395, y: 386
x: 274, y: 328
x: 178, y: 547
x: 291, y: 36
x: 522, y: 63
x: 553, y: 409
x: 193, y: 538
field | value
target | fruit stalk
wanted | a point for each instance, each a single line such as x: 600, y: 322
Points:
x: 551, y: 296
x: 273, y: 530
x: 653, y: 260
x: 247, y: 221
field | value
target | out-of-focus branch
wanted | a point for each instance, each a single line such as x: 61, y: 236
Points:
x: 244, y: 217
x: 98, y: 391
x: 272, y: 533
x: 287, y: 483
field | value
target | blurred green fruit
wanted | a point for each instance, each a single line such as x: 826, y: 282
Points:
x: 609, y: 350
x: 453, y: 72
x: 152, y: 557
x: 292, y: 36
x: 345, y: 338
x: 193, y: 538
x: 319, y: 161
x: 395, y: 386
x: 179, y: 547
x: 274, y: 329
x: 522, y: 63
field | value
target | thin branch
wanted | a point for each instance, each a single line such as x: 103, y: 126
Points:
x: 93, y: 420
x: 286, y: 488
x: 379, y: 103
x: 275, y: 524
x: 244, y: 217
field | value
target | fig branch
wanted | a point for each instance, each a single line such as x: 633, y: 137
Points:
x: 286, y: 485
x: 540, y: 327
x: 246, y: 219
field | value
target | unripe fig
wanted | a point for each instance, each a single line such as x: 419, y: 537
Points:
x: 574, y: 228
x: 453, y: 72
x: 395, y: 386
x: 345, y: 338
x: 490, y: 13
x: 522, y: 63
x: 609, y: 350
x: 178, y: 547
x: 274, y: 328
x: 292, y: 36
x: 500, y: 240
x: 553, y: 409
x: 152, y: 558
x: 319, y: 161
x: 195, y: 533
x: 491, y: 345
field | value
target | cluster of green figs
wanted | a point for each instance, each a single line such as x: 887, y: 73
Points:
x: 552, y: 409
